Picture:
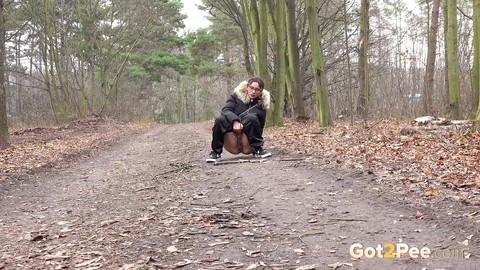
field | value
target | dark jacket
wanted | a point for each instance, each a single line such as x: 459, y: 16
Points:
x: 239, y: 102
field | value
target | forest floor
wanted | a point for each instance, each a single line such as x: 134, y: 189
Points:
x: 100, y: 194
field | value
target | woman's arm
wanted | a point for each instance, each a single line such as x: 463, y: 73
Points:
x: 228, y: 109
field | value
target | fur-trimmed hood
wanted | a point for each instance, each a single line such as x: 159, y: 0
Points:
x: 263, y: 99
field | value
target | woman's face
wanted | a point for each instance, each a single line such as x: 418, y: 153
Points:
x: 253, y: 90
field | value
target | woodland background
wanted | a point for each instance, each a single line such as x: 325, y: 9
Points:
x: 133, y: 60
x: 82, y: 76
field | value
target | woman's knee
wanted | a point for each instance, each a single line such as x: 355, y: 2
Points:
x: 220, y: 118
x: 250, y: 119
x: 221, y: 121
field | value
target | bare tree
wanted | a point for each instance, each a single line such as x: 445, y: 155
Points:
x: 280, y: 63
x: 431, y: 54
x: 293, y: 79
x: 476, y: 57
x: 348, y: 61
x: 256, y: 12
x: 4, y: 141
x: 319, y: 72
x: 452, y: 52
x: 364, y: 95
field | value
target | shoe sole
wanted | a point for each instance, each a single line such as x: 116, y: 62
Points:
x: 263, y: 156
x: 211, y: 160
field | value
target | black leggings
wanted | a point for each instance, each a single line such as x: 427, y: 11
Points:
x: 251, y: 128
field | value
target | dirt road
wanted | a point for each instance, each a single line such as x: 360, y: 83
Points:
x: 151, y: 202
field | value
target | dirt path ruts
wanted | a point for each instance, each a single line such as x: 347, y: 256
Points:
x: 151, y: 202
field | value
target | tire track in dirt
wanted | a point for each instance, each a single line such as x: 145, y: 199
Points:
x: 151, y: 202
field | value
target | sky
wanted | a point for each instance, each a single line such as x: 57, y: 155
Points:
x: 411, y: 4
x: 196, y: 18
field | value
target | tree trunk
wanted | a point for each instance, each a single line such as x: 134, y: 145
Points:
x: 363, y: 74
x: 45, y: 53
x: 4, y: 138
x: 295, y: 87
x: 452, y: 52
x: 18, y: 97
x: 476, y: 57
x: 445, y: 70
x: 83, y: 94
x: 431, y: 54
x: 349, y: 64
x: 318, y: 66
x: 262, y: 62
x: 280, y: 63
x: 256, y: 13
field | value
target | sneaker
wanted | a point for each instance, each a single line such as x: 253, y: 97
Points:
x: 213, y: 157
x: 261, y: 153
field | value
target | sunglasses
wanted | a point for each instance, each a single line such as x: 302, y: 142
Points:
x: 258, y: 90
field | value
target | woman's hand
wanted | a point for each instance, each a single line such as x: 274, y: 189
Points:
x: 237, y: 126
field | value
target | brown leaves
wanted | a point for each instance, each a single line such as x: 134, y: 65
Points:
x: 37, y: 148
x: 443, y: 155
